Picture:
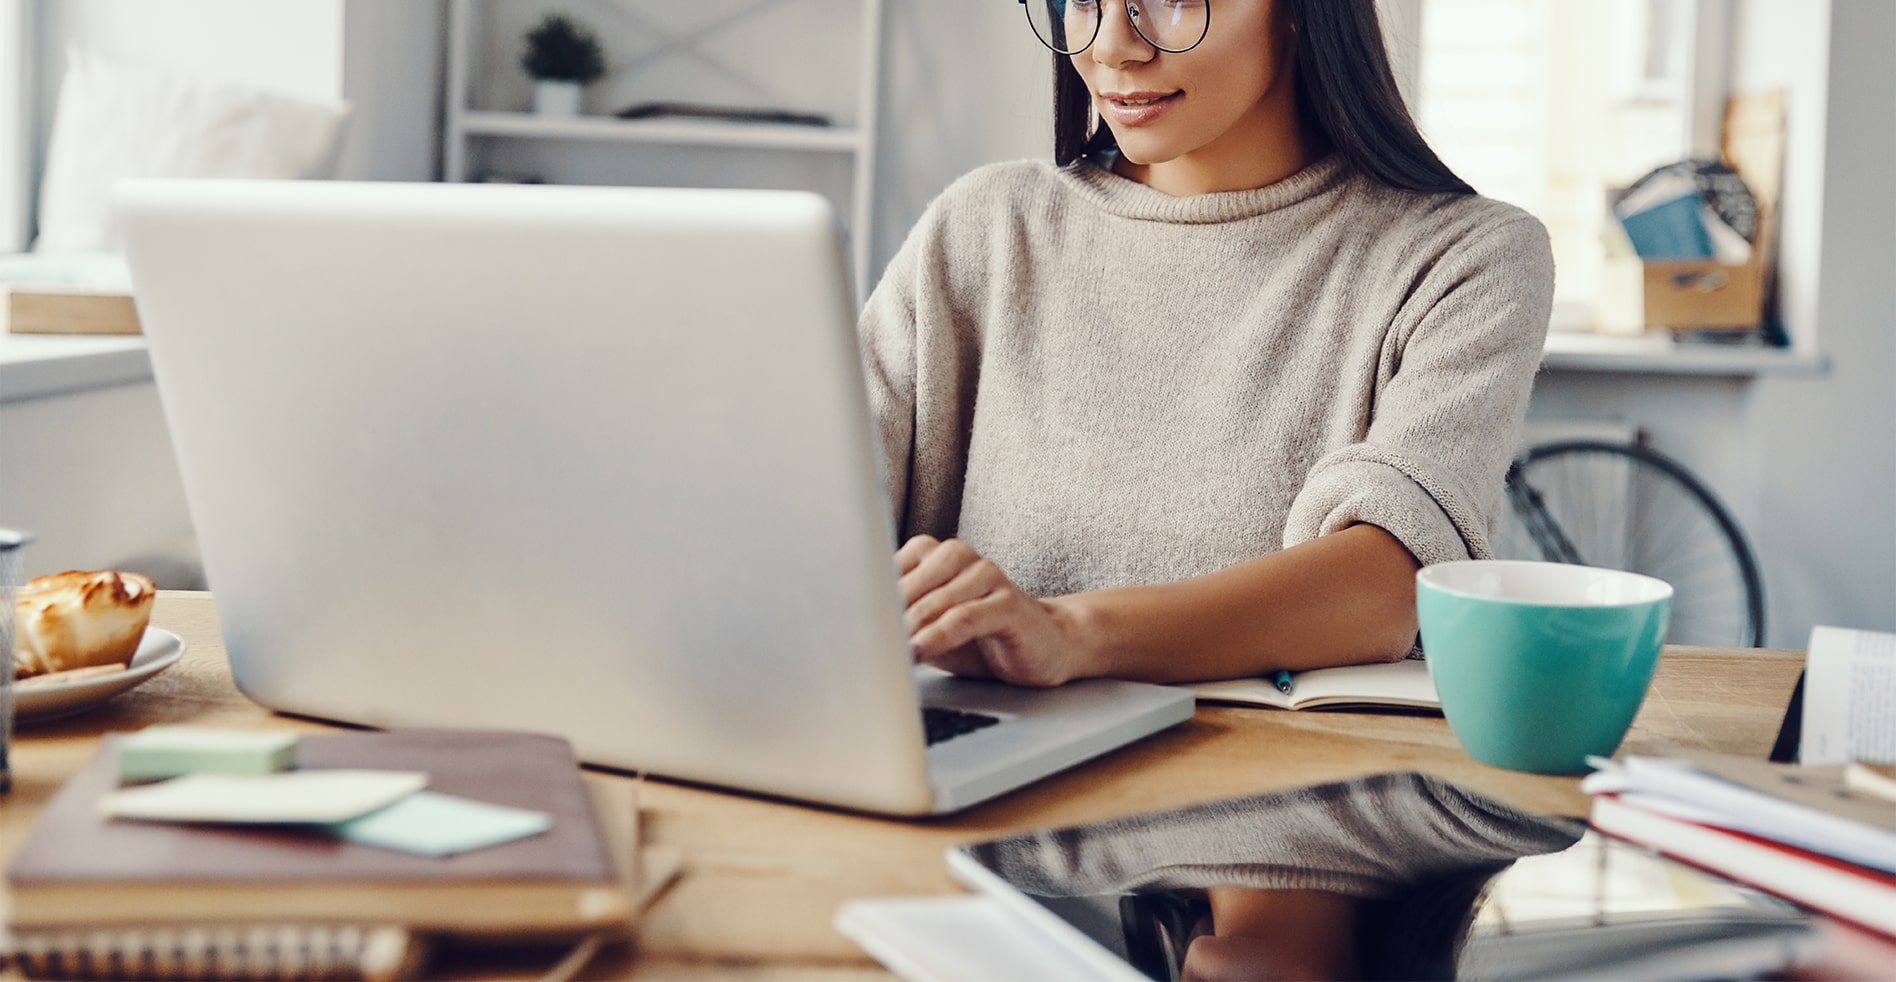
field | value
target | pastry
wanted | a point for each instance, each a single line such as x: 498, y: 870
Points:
x: 79, y: 619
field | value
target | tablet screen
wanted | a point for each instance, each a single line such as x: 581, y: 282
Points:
x: 1392, y: 876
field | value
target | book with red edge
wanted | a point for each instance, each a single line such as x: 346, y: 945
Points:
x: 1847, y: 891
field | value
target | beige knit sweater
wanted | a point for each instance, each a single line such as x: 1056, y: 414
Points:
x: 1096, y: 384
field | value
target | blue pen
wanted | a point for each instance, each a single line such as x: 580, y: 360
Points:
x: 1282, y: 678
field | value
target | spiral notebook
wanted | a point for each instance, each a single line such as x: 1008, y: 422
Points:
x: 97, y: 897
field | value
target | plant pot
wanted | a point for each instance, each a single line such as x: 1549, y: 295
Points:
x: 552, y: 97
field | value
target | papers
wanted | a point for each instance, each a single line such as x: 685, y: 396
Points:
x: 951, y: 939
x: 1844, y: 890
x: 1666, y: 216
x: 1849, y: 698
x: 1806, y: 807
x: 319, y: 797
x: 1670, y: 229
x: 1871, y: 780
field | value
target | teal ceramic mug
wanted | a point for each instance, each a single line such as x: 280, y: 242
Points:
x: 1539, y: 665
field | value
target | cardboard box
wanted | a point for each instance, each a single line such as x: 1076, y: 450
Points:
x: 1692, y: 294
x: 1681, y: 294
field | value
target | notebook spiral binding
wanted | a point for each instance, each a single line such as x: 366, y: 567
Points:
x: 298, y: 951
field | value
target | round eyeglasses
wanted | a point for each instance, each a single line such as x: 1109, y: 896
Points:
x: 1069, y: 26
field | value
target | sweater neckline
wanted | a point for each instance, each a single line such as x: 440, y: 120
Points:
x: 1127, y: 198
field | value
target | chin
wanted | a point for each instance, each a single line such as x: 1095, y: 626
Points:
x: 1142, y: 153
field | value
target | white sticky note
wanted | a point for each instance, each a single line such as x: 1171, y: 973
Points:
x: 322, y: 796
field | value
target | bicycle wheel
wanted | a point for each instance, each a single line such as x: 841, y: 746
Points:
x: 1624, y: 506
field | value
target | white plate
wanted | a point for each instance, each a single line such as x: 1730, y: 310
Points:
x: 158, y: 650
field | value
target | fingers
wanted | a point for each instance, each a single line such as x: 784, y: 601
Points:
x: 963, y: 624
x: 912, y: 552
x: 966, y: 617
x: 937, y: 575
x: 927, y: 565
x: 968, y: 583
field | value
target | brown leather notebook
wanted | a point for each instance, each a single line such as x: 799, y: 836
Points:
x: 79, y: 869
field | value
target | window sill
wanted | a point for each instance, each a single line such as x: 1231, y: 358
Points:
x: 37, y: 365
x: 1658, y: 353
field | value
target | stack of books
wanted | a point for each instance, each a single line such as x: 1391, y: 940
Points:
x: 99, y: 896
x: 1822, y: 837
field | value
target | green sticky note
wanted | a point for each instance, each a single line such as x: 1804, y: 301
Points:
x: 435, y: 824
x: 157, y: 752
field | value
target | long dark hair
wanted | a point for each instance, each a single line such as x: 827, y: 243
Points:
x: 1345, y: 91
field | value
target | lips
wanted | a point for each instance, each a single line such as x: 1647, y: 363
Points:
x: 1137, y: 108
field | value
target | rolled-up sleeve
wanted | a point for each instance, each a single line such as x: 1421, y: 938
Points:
x: 1448, y: 408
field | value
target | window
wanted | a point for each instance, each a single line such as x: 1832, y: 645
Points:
x: 1549, y: 104
x: 15, y: 126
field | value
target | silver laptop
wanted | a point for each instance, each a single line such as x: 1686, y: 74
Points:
x: 589, y: 461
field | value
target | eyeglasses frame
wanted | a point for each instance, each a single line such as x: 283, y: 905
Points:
x: 1125, y: 5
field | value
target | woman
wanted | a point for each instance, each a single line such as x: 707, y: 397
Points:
x: 1197, y: 400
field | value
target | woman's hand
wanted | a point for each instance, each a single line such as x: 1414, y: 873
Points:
x: 965, y: 616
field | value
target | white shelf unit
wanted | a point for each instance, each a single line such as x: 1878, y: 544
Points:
x: 479, y: 122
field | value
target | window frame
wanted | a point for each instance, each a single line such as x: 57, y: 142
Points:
x: 16, y: 126
x: 1704, y: 76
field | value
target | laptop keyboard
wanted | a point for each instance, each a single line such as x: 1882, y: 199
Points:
x: 945, y: 724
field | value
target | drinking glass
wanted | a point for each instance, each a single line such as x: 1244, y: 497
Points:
x: 10, y: 543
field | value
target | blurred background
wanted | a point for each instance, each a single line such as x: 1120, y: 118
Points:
x: 1786, y: 409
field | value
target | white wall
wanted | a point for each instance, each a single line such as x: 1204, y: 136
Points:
x: 964, y: 83
x: 391, y: 74
x: 92, y: 476
x: 1825, y: 448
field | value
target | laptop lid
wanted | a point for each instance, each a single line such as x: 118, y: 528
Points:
x: 592, y: 461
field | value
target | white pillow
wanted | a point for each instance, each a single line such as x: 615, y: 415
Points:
x: 117, y: 120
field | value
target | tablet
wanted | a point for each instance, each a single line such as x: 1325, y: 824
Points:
x: 1390, y: 876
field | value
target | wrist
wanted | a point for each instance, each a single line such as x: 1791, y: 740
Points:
x: 1085, y: 628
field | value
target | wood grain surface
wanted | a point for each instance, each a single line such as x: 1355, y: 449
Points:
x: 762, y: 879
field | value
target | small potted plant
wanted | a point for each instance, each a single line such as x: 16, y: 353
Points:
x: 561, y: 56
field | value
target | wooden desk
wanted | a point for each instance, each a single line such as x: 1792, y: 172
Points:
x: 763, y: 879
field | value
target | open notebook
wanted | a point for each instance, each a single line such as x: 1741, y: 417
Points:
x: 1396, y: 685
